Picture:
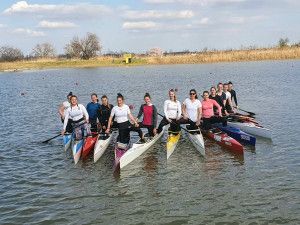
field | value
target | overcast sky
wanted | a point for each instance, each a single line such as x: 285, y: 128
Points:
x: 138, y: 25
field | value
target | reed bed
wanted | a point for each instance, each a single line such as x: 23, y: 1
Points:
x: 195, y: 58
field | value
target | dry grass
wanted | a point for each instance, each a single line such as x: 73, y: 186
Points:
x: 205, y: 57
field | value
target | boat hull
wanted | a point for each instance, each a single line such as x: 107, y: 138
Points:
x: 67, y: 140
x: 222, y: 139
x: 138, y: 149
x: 197, y: 140
x: 253, y: 129
x: 172, y: 142
x: 101, y: 145
x: 77, y: 150
x: 88, y: 145
x: 237, y: 134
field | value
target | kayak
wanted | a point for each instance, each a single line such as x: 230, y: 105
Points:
x: 88, y: 145
x: 138, y: 149
x: 77, y: 149
x: 67, y: 140
x: 222, y: 139
x: 103, y: 140
x: 252, y: 128
x: 173, y: 138
x: 120, y: 150
x: 237, y: 134
x: 197, y: 139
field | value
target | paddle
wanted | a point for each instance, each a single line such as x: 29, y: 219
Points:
x: 60, y: 134
x: 175, y: 123
x: 250, y: 113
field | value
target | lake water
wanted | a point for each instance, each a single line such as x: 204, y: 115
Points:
x: 41, y: 185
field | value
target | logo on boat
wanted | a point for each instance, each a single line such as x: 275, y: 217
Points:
x: 245, y: 137
x: 217, y: 138
x: 228, y: 143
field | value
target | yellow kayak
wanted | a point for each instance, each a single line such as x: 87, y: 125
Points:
x: 173, y: 138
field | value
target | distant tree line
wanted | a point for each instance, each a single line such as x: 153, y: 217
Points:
x: 90, y: 46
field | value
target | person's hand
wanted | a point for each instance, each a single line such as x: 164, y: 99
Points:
x: 198, y: 123
x: 63, y: 132
x: 87, y: 121
x: 185, y: 117
x: 154, y: 131
x: 107, y: 130
x: 136, y: 124
x: 104, y: 127
x: 169, y: 120
x: 226, y: 113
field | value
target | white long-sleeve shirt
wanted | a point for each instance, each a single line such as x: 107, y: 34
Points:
x: 120, y: 113
x: 172, y: 109
x: 75, y: 113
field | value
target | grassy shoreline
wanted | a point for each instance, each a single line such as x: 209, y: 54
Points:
x: 192, y: 58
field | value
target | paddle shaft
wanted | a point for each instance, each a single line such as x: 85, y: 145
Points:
x: 251, y: 113
x: 60, y: 134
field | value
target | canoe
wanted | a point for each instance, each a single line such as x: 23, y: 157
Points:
x: 173, y: 138
x: 120, y: 150
x: 252, y: 128
x: 103, y: 141
x: 77, y: 149
x: 237, y: 134
x: 138, y: 149
x: 222, y: 139
x: 67, y: 140
x: 196, y: 138
x: 89, y: 145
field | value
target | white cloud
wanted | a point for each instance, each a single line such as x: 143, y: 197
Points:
x: 56, y: 24
x: 28, y: 32
x: 243, y: 20
x: 2, y: 25
x: 203, y: 21
x: 142, y: 25
x: 79, y: 9
x: 158, y: 14
x: 194, y: 2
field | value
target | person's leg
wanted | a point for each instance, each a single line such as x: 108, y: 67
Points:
x: 206, y: 124
x: 69, y: 128
x: 162, y: 123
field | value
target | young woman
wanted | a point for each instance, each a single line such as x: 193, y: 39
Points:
x: 149, y: 112
x: 172, y: 111
x: 213, y: 95
x: 228, y: 104
x: 208, y: 115
x: 221, y: 93
x: 92, y: 109
x: 104, y: 112
x: 233, y: 93
x: 80, y: 118
x: 121, y: 112
x: 192, y: 110
x: 62, y: 109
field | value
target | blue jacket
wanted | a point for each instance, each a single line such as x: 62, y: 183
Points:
x: 92, y: 109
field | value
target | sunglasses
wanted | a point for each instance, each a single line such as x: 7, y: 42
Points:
x: 192, y: 93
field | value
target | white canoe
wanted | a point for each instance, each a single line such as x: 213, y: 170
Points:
x: 101, y: 145
x: 197, y: 139
x: 138, y: 149
x: 77, y: 149
x: 251, y: 128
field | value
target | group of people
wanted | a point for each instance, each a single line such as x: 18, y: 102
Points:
x: 96, y: 117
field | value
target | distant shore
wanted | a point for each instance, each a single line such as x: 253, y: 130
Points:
x: 189, y: 58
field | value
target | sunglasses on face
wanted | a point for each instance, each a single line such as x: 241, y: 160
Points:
x: 192, y: 93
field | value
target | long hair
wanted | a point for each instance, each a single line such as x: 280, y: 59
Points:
x: 174, y: 91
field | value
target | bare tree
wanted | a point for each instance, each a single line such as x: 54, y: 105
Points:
x: 43, y: 50
x: 8, y: 53
x: 84, y: 48
x: 155, y: 52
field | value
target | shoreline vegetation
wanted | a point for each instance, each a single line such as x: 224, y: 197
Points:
x: 215, y: 56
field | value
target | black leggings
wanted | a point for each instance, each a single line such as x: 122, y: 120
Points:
x: 207, y: 122
x: 124, y: 132
x: 93, y: 123
x: 149, y: 128
x: 69, y: 128
x: 174, y: 126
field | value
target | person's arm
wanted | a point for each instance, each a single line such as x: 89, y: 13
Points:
x: 234, y: 98
x: 85, y: 114
x: 140, y: 112
x: 218, y: 106
x: 179, y: 111
x: 65, y: 122
x: 154, y: 116
x: 184, y: 112
x: 166, y: 110
x: 199, y: 114
x: 131, y: 117
x: 61, y: 111
x: 112, y: 113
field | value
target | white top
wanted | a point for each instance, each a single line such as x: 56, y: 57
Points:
x: 172, y: 109
x: 75, y: 113
x: 120, y: 113
x: 228, y: 95
x: 66, y: 105
x: 192, y: 108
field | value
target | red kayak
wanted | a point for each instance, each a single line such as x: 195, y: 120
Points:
x: 224, y: 140
x: 89, y: 145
